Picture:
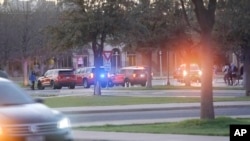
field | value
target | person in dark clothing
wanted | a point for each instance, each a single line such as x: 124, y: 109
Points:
x: 227, y: 74
x: 32, y: 79
x: 241, y: 71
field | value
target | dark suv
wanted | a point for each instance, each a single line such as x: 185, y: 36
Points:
x: 57, y: 78
x: 85, y: 76
x: 127, y: 76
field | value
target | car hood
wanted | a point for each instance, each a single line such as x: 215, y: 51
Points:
x: 27, y: 113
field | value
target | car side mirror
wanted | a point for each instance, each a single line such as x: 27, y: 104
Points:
x: 39, y: 100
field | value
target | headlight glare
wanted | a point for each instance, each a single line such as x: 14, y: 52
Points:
x: 64, y: 123
x: 200, y: 73
x: 184, y: 73
x: 1, y: 131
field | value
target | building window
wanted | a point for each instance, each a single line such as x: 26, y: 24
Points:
x: 131, y: 59
x: 115, y: 59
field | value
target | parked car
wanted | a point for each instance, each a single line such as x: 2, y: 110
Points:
x: 25, y: 119
x: 85, y: 76
x: 57, y: 78
x: 126, y: 76
x: 181, y: 73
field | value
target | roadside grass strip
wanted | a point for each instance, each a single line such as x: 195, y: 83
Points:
x: 217, y: 127
x: 81, y: 101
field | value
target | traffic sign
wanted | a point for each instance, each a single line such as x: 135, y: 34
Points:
x: 107, y: 54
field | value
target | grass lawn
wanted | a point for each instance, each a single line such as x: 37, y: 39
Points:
x: 77, y: 101
x: 217, y: 127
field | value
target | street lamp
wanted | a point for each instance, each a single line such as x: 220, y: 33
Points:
x: 160, y: 53
x: 168, y: 82
x: 116, y: 61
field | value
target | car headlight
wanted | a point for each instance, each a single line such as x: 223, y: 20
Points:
x: 184, y: 73
x: 63, y: 123
x: 200, y: 73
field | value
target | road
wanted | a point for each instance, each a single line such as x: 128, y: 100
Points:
x: 79, y: 90
x: 92, y: 118
x: 129, y: 92
x: 143, y: 116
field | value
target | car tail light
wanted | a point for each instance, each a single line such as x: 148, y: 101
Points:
x: 142, y: 75
x: 134, y: 75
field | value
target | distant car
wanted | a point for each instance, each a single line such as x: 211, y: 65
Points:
x: 25, y: 119
x: 181, y: 73
x: 85, y: 76
x: 132, y: 75
x: 57, y: 78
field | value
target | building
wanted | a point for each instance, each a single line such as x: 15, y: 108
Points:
x: 114, y: 57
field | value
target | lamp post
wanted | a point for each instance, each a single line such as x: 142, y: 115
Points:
x: 160, y: 53
x: 168, y: 82
x: 116, y: 61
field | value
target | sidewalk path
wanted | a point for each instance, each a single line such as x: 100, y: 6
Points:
x: 115, y: 136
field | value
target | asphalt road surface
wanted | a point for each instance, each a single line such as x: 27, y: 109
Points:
x: 155, y: 114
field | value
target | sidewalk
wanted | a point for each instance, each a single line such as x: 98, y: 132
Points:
x: 117, y: 136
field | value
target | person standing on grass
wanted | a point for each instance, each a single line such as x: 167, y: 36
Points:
x: 32, y: 79
x: 227, y: 74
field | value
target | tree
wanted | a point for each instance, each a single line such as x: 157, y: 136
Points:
x: 205, y: 14
x: 24, y: 27
x: 6, y: 34
x: 90, y: 21
x: 234, y: 30
x: 150, y: 27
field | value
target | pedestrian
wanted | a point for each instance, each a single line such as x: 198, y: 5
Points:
x: 32, y: 79
x: 227, y: 74
x: 234, y: 73
x: 241, y: 74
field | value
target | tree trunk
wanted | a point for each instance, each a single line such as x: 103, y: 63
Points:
x: 25, y: 72
x: 98, y: 62
x: 97, y: 86
x: 149, y: 69
x: 187, y: 79
x: 206, y: 19
x: 247, y: 70
x: 207, y: 109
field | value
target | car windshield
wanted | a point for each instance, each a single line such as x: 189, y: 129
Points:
x: 139, y: 71
x: 67, y: 72
x: 11, y: 94
x: 192, y: 67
